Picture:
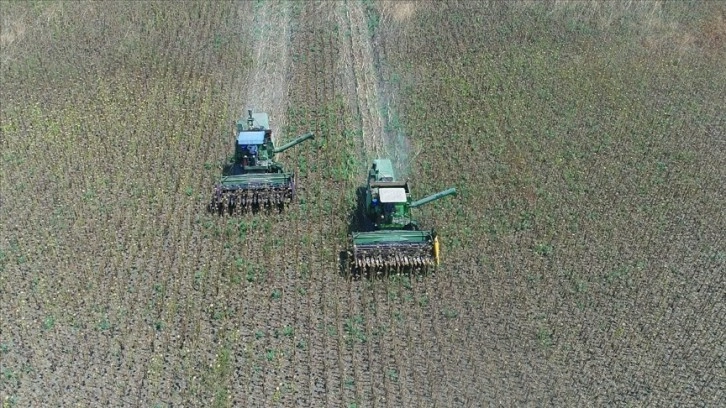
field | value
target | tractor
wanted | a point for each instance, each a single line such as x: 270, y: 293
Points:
x: 253, y: 179
x: 393, y: 239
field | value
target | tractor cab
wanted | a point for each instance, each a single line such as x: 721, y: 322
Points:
x: 248, y: 147
x: 393, y: 205
x: 253, y: 148
x: 388, y: 199
x: 389, y: 207
x: 254, y: 141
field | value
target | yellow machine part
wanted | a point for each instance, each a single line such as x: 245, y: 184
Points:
x: 436, y: 250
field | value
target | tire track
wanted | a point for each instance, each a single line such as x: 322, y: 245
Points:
x: 370, y: 86
x: 301, y: 84
x: 362, y: 79
x: 332, y: 376
x: 265, y: 88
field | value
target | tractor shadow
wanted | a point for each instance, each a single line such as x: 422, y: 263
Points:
x: 357, y: 222
x: 231, y: 169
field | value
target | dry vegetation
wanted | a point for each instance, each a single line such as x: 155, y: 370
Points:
x: 584, y: 257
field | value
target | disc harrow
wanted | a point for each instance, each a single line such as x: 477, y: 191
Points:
x: 239, y: 200
x: 393, y: 255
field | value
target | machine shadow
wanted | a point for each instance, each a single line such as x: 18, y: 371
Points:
x: 229, y: 169
x: 357, y: 222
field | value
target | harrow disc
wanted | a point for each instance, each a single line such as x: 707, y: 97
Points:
x: 236, y: 201
x: 239, y: 193
x: 394, y: 250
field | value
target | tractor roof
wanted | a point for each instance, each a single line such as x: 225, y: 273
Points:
x: 392, y: 195
x: 251, y: 137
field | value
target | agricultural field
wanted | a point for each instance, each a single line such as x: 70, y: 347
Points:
x: 583, y: 258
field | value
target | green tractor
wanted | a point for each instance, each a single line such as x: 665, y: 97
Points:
x: 253, y: 179
x: 393, y: 240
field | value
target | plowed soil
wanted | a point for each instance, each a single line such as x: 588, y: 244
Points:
x: 583, y: 258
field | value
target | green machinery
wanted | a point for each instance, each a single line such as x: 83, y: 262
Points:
x: 393, y: 239
x: 254, y: 179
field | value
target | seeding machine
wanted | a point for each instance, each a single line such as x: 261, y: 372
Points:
x: 254, y: 179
